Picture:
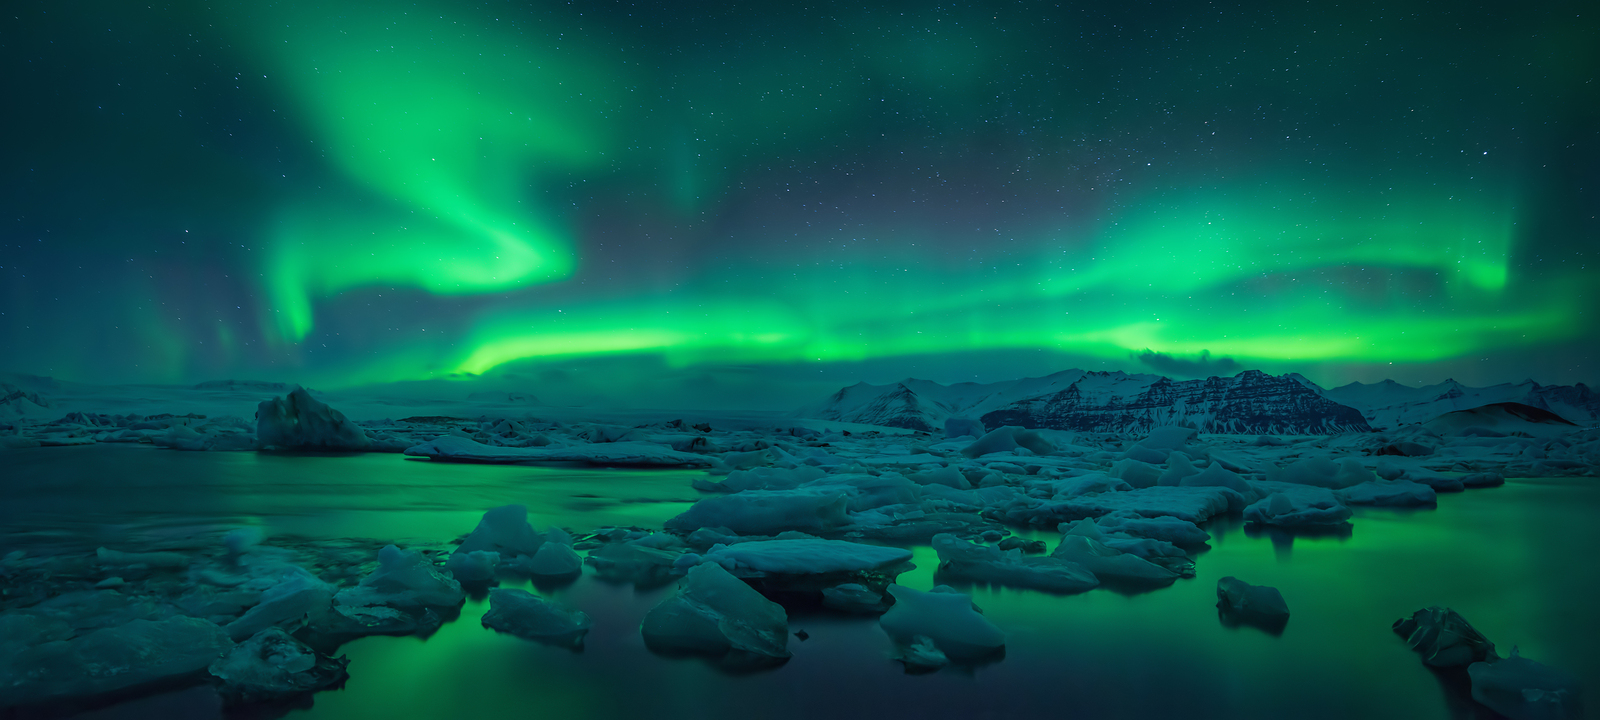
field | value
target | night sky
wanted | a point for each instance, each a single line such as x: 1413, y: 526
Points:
x: 681, y: 200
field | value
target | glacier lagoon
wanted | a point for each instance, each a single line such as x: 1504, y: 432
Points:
x: 1515, y: 560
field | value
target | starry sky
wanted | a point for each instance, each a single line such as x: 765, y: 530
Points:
x: 753, y: 201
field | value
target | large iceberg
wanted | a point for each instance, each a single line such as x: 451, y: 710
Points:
x: 298, y: 421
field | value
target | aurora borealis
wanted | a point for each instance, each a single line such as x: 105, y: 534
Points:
x: 352, y: 192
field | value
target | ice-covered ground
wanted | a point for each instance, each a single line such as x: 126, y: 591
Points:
x: 795, y: 514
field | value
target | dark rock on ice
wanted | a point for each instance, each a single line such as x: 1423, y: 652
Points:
x: 1257, y: 605
x: 298, y: 421
x: 1444, y: 638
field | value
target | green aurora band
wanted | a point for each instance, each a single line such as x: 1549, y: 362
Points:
x: 468, y: 190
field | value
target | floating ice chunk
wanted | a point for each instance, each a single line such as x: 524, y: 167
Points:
x: 761, y: 478
x: 1444, y: 638
x: 460, y: 449
x: 504, y: 530
x: 853, y: 598
x: 271, y: 665
x: 1081, y: 545
x: 1522, y: 689
x: 477, y: 566
x: 868, y: 491
x: 552, y: 560
x: 1389, y: 470
x: 1136, y: 473
x: 955, y: 427
x: 947, y: 476
x: 627, y: 562
x: 971, y: 562
x: 1071, y: 487
x: 920, y: 655
x: 1321, y: 472
x: 113, y: 558
x: 1178, y: 468
x: 1008, y: 438
x: 761, y: 512
x: 1306, y: 507
x: 715, y: 613
x: 297, y: 596
x: 404, y: 579
x: 1169, y: 529
x: 1194, y: 504
x: 139, y: 652
x: 299, y: 421
x: 806, y: 557
x: 1258, y: 605
x: 1440, y: 483
x: 945, y: 618
x: 1388, y: 493
x: 526, y: 615
x: 1218, y: 476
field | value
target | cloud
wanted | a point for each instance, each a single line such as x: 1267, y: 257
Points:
x: 1201, y: 366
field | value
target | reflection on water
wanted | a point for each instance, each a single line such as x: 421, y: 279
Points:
x: 1515, y: 561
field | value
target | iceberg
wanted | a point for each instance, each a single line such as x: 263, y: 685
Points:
x: 716, y: 614
x: 806, y: 557
x: 947, y: 620
x: 134, y: 654
x: 1522, y: 689
x: 971, y: 562
x: 521, y: 613
x: 298, y: 421
x: 403, y: 579
x: 766, y: 512
x: 271, y: 666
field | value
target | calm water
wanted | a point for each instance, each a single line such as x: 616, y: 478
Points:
x: 1516, y: 561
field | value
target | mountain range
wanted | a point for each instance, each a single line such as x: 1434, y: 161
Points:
x: 1250, y: 402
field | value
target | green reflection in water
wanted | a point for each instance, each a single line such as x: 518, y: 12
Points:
x: 1512, y: 560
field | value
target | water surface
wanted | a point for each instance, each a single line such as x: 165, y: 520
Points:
x: 1516, y: 561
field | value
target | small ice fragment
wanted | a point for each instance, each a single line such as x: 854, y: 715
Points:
x: 526, y: 615
x: 944, y: 618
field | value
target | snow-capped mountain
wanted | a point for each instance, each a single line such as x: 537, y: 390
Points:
x: 1389, y: 404
x: 1251, y: 402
